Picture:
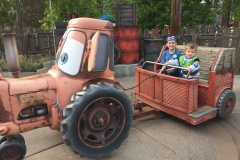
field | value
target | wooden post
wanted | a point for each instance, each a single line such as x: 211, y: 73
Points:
x: 176, y: 14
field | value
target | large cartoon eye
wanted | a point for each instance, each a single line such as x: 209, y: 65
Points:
x: 63, y: 58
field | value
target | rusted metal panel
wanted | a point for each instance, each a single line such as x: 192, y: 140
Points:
x: 221, y: 79
x: 132, y: 32
x: 176, y: 113
x: 5, y: 105
x: 23, y: 101
x: 128, y: 41
x: 158, y: 92
x: 23, y: 85
x: 147, y: 87
x: 197, y: 121
x: 202, y: 94
x: 174, y: 94
x: 192, y: 98
x: 34, y: 125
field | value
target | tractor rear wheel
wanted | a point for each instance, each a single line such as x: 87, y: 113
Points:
x: 226, y: 103
x: 97, y: 121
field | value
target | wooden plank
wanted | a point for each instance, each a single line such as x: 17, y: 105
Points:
x: 127, y: 15
x: 204, y: 29
x: 225, y: 41
x: 134, y: 14
x: 32, y: 44
x: 194, y: 38
x: 195, y: 30
x: 19, y: 42
x: 237, y: 64
x: 25, y: 43
x: 188, y: 30
x: 122, y: 6
x: 218, y: 37
x: 219, y: 41
x: 234, y: 42
x: 212, y: 31
x: 126, y: 11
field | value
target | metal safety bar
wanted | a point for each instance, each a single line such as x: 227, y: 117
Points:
x: 189, y: 71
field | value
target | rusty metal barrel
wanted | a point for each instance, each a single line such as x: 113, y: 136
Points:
x: 152, y: 49
x: 10, y: 46
x: 127, y: 39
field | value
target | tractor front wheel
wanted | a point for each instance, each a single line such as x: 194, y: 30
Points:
x: 97, y: 121
x: 13, y: 149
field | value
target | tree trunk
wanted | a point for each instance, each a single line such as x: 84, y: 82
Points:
x: 176, y: 14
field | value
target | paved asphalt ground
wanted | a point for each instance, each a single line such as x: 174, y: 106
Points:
x: 153, y: 138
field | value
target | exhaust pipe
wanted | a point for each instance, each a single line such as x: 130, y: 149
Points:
x: 10, y: 46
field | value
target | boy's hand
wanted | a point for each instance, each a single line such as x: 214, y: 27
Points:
x: 160, y: 72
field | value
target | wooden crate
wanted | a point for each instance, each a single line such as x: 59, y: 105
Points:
x: 126, y: 14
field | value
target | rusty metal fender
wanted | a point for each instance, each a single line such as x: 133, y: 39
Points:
x: 216, y: 95
x: 102, y: 80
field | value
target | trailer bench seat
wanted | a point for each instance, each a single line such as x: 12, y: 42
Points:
x: 212, y: 58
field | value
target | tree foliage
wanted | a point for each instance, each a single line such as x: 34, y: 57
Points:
x: 232, y: 6
x: 62, y: 8
x: 153, y: 13
x: 7, y: 12
x: 195, y: 14
x: 32, y: 11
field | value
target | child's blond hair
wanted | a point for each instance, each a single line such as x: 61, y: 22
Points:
x: 191, y: 45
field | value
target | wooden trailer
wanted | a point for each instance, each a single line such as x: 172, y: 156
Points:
x: 192, y: 100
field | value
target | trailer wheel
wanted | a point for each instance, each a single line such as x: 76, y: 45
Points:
x: 117, y: 55
x: 15, y: 136
x: 97, y: 121
x: 226, y: 103
x: 12, y: 150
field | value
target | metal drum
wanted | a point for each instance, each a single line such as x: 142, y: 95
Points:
x: 127, y: 39
x: 152, y: 48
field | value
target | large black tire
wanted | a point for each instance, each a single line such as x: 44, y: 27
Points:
x: 97, y: 121
x: 117, y: 55
x: 12, y: 150
x: 15, y: 136
x: 226, y: 103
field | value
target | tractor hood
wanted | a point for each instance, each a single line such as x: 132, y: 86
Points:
x: 30, y: 84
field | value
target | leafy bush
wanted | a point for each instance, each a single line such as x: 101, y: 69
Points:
x: 26, y: 65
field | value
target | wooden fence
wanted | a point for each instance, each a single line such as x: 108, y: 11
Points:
x: 35, y: 41
x: 204, y: 36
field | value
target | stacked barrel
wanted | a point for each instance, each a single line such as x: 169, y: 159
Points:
x: 127, y: 33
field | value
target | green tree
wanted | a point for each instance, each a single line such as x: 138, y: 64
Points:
x: 7, y: 12
x: 233, y: 7
x: 195, y: 14
x: 157, y: 13
x: 32, y: 11
x: 62, y: 8
x: 153, y: 13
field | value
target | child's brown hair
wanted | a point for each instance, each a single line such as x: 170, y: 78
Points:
x: 191, y: 45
